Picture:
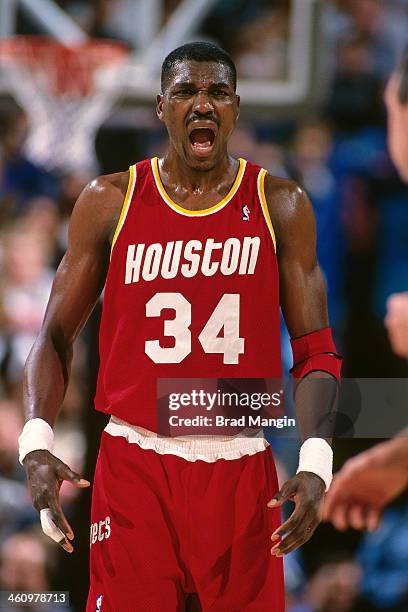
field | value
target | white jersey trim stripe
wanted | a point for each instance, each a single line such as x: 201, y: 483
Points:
x: 197, y: 213
x: 264, y: 205
x: 126, y: 204
x: 208, y: 448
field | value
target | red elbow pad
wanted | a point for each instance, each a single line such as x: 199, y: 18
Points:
x: 315, y: 351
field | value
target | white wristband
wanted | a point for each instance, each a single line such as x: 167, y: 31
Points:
x: 37, y: 434
x: 316, y: 456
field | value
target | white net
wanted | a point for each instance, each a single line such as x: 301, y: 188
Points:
x: 56, y: 86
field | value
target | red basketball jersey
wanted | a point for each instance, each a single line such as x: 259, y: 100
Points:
x: 189, y: 294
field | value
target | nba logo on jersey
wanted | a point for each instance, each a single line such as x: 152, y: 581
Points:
x: 245, y: 213
x: 98, y: 603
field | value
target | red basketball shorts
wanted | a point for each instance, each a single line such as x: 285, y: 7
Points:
x: 163, y: 527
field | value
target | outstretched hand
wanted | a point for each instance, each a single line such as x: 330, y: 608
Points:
x: 306, y: 490
x: 365, y: 485
x: 45, y: 474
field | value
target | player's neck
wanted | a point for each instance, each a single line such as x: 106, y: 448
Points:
x: 177, y: 176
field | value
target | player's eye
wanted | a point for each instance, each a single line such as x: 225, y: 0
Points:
x: 220, y: 93
x: 184, y: 93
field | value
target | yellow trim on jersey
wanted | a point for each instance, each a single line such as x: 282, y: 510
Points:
x: 205, y: 211
x: 126, y: 204
x: 265, y: 209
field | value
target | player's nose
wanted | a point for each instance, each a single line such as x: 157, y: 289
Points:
x: 202, y: 104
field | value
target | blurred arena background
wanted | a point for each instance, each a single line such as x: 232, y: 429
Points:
x: 312, y: 75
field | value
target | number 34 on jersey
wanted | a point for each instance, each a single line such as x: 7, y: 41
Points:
x: 219, y: 335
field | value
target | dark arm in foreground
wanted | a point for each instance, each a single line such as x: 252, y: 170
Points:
x: 303, y: 301
x: 77, y: 286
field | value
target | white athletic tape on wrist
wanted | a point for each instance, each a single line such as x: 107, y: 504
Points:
x: 49, y: 527
x: 37, y: 434
x: 316, y: 456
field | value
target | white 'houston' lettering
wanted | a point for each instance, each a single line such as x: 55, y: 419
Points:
x: 133, y: 263
x: 191, y: 257
x: 249, y: 255
x: 151, y: 263
x: 194, y: 258
x: 171, y: 259
x: 209, y: 268
x: 230, y: 256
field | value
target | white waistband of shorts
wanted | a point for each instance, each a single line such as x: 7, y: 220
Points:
x: 204, y: 448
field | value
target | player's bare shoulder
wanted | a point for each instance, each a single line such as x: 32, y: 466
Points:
x: 106, y: 193
x: 99, y: 206
x: 289, y: 207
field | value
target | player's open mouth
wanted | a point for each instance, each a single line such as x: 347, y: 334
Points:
x: 202, y: 140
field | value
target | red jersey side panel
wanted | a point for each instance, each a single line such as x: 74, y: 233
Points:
x: 189, y: 294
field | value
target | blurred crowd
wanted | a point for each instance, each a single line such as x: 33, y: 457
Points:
x: 338, y: 152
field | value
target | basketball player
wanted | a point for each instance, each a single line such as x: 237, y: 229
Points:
x: 368, y: 482
x: 194, y: 249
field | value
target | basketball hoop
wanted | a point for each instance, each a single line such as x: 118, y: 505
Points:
x: 56, y: 86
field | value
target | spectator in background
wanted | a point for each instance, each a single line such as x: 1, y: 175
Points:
x: 381, y: 23
x: 20, y: 179
x: 24, y: 566
x: 263, y: 45
x: 309, y: 163
x: 384, y: 26
x: 128, y: 21
x: 23, y: 563
x: 355, y: 96
x: 15, y: 503
x: 333, y: 587
x: 25, y: 286
x: 71, y: 186
x: 384, y: 558
x: 11, y: 421
x: 42, y: 220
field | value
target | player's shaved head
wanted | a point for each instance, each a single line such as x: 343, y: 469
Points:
x: 196, y: 52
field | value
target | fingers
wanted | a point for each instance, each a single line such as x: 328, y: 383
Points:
x: 53, y: 521
x: 306, y: 491
x: 51, y: 529
x: 295, y: 539
x: 339, y: 517
x: 373, y: 519
x: 45, y: 474
x: 60, y: 519
x: 345, y: 516
x: 357, y: 517
x: 396, y: 322
x: 288, y: 526
x: 332, y: 499
x: 65, y: 473
x: 298, y: 529
x: 287, y: 491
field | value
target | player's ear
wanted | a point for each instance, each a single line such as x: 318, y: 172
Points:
x: 159, y: 106
x: 238, y: 104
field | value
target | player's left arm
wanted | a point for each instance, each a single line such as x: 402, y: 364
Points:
x: 304, y: 306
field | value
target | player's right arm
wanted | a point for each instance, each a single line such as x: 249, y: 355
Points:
x: 77, y: 286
